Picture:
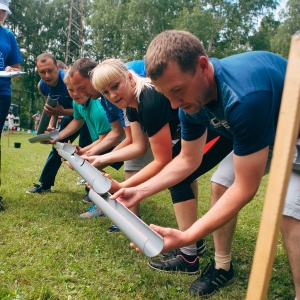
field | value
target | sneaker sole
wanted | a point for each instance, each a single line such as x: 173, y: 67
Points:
x: 44, y: 192
x: 177, y: 271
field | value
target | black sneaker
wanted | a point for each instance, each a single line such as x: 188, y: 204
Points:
x: 2, y: 207
x: 201, y: 247
x: 86, y: 199
x: 112, y: 229
x: 211, y: 280
x: 175, y: 263
x: 39, y: 189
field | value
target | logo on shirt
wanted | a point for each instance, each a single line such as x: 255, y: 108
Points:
x: 216, y: 123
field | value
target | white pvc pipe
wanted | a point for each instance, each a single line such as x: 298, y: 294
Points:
x: 135, y: 229
x: 52, y: 135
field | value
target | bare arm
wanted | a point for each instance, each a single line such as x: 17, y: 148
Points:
x: 71, y: 128
x: 128, y: 139
x: 112, y: 139
x: 138, y: 147
x: 161, y: 145
x: 176, y: 170
x: 248, y: 173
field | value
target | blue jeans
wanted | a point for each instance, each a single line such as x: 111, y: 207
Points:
x: 53, y: 162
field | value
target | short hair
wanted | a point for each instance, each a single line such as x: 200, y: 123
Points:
x: 83, y: 66
x: 179, y: 46
x: 44, y: 56
x: 61, y: 65
x: 67, y: 76
x: 110, y: 69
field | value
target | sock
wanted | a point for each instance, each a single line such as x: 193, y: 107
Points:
x: 189, y: 252
x: 223, y: 261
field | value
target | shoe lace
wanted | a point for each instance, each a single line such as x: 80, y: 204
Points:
x: 209, y: 270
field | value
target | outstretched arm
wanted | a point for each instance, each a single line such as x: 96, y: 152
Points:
x: 135, y: 149
x: 248, y: 173
x: 175, y: 171
x: 112, y: 139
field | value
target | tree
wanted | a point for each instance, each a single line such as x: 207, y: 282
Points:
x: 36, y: 32
x: 280, y: 43
x: 224, y: 27
x: 261, y: 40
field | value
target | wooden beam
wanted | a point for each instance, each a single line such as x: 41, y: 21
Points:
x: 281, y: 165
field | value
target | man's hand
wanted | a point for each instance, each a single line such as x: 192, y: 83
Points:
x: 173, y: 238
x: 53, y: 111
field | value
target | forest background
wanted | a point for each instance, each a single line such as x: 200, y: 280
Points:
x: 124, y: 28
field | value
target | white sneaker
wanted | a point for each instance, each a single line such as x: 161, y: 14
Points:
x: 80, y: 181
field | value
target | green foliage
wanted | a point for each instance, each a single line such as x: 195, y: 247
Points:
x: 261, y: 40
x: 291, y: 25
x: 124, y: 29
x: 48, y: 253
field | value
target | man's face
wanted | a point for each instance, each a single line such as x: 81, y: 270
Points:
x: 48, y: 72
x: 187, y: 90
x: 78, y: 98
x: 84, y: 87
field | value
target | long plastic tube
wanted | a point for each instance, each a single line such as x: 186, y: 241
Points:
x: 52, y: 135
x: 88, y: 172
x: 52, y: 101
x: 135, y: 229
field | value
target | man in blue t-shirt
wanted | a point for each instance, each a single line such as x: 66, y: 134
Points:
x: 237, y: 97
x: 52, y: 83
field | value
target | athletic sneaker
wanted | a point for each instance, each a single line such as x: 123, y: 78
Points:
x: 201, y: 247
x: 2, y: 207
x: 80, y: 181
x: 92, y: 212
x: 39, y: 189
x: 175, y: 263
x: 112, y: 229
x: 211, y: 280
x: 86, y: 199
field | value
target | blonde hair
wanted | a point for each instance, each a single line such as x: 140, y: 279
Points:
x: 67, y: 77
x: 110, y: 69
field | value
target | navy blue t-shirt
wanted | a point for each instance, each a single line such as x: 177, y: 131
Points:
x: 250, y: 87
x: 59, y: 90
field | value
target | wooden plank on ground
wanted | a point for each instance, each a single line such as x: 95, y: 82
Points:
x: 287, y: 132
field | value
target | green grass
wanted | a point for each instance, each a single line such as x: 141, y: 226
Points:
x: 47, y: 252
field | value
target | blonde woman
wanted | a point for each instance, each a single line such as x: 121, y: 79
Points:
x: 152, y: 117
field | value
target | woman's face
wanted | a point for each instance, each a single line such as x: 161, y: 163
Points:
x: 121, y: 92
